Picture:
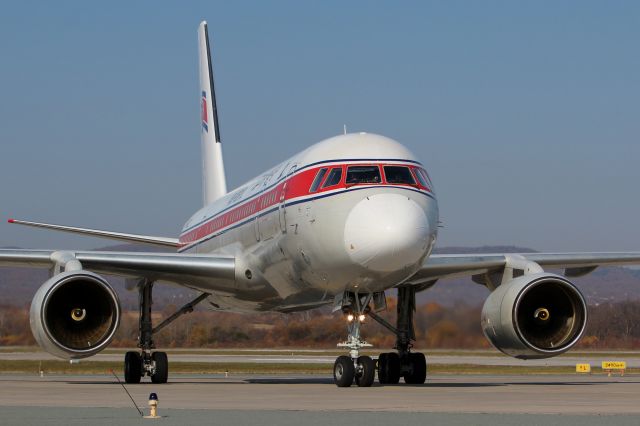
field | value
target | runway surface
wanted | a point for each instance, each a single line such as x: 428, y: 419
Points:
x: 283, y: 400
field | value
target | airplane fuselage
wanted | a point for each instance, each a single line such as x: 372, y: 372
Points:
x: 355, y: 212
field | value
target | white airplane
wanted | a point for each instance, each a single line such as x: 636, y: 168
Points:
x: 338, y: 224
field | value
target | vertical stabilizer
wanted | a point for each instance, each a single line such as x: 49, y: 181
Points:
x: 214, y: 184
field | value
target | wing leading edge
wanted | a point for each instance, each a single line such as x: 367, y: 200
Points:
x: 201, y: 272
x: 121, y: 236
x: 440, y: 266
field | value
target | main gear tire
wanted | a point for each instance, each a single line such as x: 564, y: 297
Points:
x: 417, y: 373
x: 161, y: 373
x: 132, y: 367
x: 389, y: 368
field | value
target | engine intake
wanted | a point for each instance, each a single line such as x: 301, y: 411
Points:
x: 534, y: 316
x: 75, y: 314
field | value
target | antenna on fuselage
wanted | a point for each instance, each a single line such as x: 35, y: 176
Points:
x: 344, y: 129
x: 214, y: 184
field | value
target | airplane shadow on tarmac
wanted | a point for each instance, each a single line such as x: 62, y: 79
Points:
x: 329, y: 381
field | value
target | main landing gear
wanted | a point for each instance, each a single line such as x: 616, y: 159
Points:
x: 146, y: 362
x: 412, y: 366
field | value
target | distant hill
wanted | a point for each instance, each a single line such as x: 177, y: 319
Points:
x: 482, y: 249
x: 612, y: 284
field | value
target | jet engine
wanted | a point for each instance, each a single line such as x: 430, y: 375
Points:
x: 75, y: 314
x: 534, y: 316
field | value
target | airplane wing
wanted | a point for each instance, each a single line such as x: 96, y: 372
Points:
x: 202, y: 272
x: 439, y: 266
x: 121, y: 236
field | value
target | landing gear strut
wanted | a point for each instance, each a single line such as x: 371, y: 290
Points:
x: 412, y: 366
x: 146, y: 362
x: 354, y: 367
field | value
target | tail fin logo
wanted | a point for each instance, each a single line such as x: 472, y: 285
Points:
x: 205, y: 120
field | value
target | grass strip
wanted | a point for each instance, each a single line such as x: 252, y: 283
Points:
x: 508, y: 370
x: 103, y: 367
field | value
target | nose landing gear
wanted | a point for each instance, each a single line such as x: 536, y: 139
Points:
x: 346, y: 370
x: 355, y: 367
x: 391, y: 366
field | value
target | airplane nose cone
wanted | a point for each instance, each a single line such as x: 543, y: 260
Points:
x: 386, y: 232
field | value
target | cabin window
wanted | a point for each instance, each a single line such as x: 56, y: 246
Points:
x: 398, y: 174
x: 334, y: 178
x: 363, y: 174
x: 318, y: 179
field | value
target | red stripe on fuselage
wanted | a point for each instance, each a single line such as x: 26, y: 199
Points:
x: 296, y: 186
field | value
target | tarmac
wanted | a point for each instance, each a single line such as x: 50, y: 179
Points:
x: 315, y: 400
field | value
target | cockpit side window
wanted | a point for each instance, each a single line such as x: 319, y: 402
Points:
x: 399, y: 174
x: 318, y: 179
x: 363, y: 174
x: 423, y: 178
x: 334, y: 178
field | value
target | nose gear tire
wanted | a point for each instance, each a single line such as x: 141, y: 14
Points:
x: 367, y: 373
x: 343, y: 371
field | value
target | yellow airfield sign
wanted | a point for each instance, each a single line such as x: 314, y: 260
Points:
x: 614, y: 365
x: 583, y: 368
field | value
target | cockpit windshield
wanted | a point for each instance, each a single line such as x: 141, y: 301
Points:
x: 399, y: 174
x: 362, y: 174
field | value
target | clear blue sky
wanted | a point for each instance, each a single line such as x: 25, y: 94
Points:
x: 527, y: 114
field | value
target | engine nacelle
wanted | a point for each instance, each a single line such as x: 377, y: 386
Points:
x: 534, y: 316
x: 75, y: 314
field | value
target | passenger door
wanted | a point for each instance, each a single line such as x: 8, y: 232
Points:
x: 282, y: 213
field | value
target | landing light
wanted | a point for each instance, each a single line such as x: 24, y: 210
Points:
x: 361, y: 317
x: 350, y: 317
